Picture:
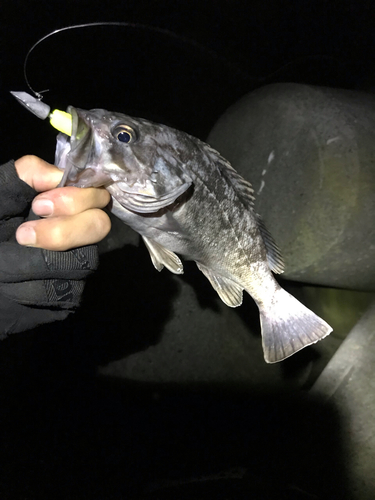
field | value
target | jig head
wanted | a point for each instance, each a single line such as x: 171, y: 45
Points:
x: 60, y: 120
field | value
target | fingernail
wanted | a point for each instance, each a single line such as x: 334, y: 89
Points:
x: 26, y: 235
x: 43, y: 207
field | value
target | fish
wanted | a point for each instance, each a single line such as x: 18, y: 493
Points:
x: 186, y: 200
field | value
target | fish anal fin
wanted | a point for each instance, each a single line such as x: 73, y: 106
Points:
x: 274, y: 257
x: 288, y: 326
x: 161, y: 257
x: 229, y: 292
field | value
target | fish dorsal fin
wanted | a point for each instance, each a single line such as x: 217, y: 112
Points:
x: 274, y: 257
x: 243, y: 188
x: 229, y: 292
x: 245, y: 192
x: 161, y: 257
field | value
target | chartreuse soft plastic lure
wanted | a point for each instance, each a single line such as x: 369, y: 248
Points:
x: 61, y: 120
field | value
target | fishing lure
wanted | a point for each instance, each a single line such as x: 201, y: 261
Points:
x: 60, y: 120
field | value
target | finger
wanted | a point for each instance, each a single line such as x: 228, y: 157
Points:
x: 69, y: 201
x: 65, y: 232
x: 37, y: 173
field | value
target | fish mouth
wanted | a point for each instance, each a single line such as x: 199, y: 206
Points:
x: 76, y: 154
x: 76, y: 149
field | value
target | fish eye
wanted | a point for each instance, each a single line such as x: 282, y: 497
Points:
x: 125, y: 134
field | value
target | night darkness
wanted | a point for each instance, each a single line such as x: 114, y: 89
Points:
x: 235, y: 47
x: 67, y: 433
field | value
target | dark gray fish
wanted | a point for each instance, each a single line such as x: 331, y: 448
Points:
x: 183, y: 198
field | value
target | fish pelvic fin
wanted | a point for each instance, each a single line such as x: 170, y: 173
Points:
x: 229, y: 292
x: 161, y: 257
x: 288, y: 326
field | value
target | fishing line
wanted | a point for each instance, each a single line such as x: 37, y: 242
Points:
x: 139, y: 26
x: 175, y: 36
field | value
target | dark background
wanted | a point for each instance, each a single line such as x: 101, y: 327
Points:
x: 65, y: 433
x: 188, y: 63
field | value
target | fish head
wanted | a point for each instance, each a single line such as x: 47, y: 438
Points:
x: 138, y: 161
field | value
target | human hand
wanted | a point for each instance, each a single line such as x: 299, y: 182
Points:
x: 71, y: 216
x: 41, y: 285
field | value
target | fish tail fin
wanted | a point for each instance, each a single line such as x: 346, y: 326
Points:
x: 288, y: 326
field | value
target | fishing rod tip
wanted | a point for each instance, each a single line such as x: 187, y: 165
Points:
x: 35, y: 106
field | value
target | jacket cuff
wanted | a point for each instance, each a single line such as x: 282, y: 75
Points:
x: 15, y: 194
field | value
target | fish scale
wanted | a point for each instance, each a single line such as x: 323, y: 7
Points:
x: 185, y: 199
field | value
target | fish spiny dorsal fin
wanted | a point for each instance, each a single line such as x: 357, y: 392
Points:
x: 243, y: 188
x: 274, y: 257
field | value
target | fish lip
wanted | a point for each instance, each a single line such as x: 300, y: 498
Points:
x: 80, y: 142
x: 80, y: 127
x: 72, y: 111
x: 81, y: 138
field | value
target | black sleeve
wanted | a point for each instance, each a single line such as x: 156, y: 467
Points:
x: 36, y: 286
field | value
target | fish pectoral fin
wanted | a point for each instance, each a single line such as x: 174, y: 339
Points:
x: 229, y: 292
x: 161, y: 257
